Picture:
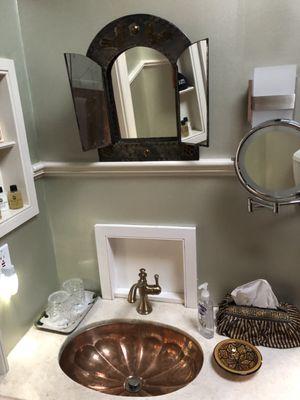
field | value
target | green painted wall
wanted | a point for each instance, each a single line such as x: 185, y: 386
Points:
x: 30, y: 245
x: 31, y: 250
x: 233, y: 246
x: 243, y: 34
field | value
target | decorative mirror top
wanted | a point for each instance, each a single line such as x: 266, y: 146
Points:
x: 137, y: 30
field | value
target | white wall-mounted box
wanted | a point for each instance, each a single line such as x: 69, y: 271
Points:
x: 15, y: 164
x: 169, y: 251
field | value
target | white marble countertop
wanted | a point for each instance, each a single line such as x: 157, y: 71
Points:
x: 35, y: 373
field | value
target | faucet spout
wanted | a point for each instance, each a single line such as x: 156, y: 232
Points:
x: 132, y: 293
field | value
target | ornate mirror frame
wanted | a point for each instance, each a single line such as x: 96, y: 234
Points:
x: 116, y: 37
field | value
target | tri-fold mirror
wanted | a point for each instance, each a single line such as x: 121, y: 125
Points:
x: 141, y: 92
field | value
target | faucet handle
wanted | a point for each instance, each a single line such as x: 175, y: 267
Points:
x: 142, y: 274
x: 156, y: 277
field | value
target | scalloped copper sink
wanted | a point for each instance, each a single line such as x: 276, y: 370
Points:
x: 132, y: 358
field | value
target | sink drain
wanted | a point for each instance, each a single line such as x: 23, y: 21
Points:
x: 133, y: 384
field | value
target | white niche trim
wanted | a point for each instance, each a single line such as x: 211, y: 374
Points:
x: 169, y: 251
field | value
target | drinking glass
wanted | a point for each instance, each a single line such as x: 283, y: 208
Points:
x: 76, y: 290
x: 59, y: 307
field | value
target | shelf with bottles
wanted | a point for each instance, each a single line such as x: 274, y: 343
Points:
x: 11, y: 214
x: 194, y: 137
x: 15, y: 164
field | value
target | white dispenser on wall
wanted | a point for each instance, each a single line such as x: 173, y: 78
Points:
x: 205, y: 312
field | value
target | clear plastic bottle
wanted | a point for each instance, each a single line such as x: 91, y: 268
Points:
x: 205, y: 312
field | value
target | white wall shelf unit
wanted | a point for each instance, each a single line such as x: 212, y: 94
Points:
x: 15, y: 164
x: 7, y: 144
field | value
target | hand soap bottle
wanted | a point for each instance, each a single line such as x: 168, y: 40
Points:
x: 205, y: 312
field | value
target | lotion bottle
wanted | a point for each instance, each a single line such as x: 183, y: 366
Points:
x: 205, y: 312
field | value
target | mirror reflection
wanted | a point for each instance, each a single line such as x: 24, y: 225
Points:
x: 192, y: 84
x: 143, y: 85
x: 271, y: 159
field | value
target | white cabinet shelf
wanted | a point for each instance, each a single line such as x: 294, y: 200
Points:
x: 195, y: 137
x: 15, y: 164
x: 187, y: 90
x: 7, y: 145
x: 11, y: 214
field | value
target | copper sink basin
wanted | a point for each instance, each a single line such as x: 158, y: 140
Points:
x: 131, y: 358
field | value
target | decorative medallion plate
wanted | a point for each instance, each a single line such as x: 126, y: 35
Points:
x: 238, y: 356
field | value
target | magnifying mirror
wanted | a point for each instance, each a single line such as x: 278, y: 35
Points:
x: 268, y: 161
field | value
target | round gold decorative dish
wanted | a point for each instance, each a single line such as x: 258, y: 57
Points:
x: 238, y: 356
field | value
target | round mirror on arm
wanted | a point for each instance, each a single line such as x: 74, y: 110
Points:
x: 267, y: 164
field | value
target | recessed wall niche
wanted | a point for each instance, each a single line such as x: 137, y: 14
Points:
x: 169, y: 251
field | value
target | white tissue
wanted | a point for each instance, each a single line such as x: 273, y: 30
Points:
x: 256, y: 293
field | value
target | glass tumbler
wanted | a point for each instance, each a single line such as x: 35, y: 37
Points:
x: 58, y: 307
x: 76, y: 290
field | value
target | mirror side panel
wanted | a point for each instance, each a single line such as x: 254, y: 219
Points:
x: 89, y: 98
x: 193, y: 93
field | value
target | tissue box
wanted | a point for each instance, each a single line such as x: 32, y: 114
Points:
x: 260, y: 326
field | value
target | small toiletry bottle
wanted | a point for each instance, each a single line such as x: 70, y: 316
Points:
x: 188, y: 125
x: 205, y: 312
x: 3, y: 200
x: 15, y: 198
x: 184, y: 127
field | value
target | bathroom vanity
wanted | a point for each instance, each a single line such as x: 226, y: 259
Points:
x: 35, y: 373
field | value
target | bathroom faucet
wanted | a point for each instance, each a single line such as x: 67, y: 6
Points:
x: 144, y: 306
